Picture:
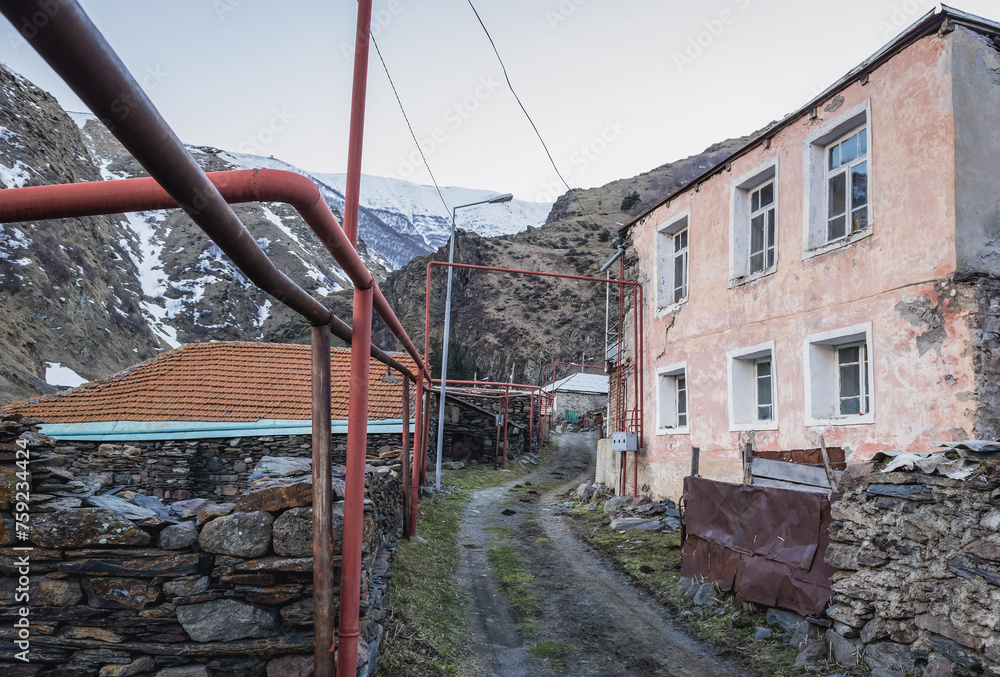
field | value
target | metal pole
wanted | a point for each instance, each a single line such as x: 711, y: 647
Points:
x: 357, y: 133
x: 531, y: 419
x: 354, y: 503
x: 407, y: 513
x: 506, y: 413
x: 322, y: 490
x: 418, y: 441
x: 444, y: 358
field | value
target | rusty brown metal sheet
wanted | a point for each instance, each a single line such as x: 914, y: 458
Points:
x: 764, y: 543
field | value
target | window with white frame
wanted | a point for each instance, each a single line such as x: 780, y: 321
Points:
x: 837, y: 181
x: 672, y: 262
x: 847, y: 185
x: 839, y: 377
x: 672, y: 399
x: 754, y: 222
x: 752, y: 398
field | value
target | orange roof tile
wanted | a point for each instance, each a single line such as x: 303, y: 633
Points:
x: 221, y: 381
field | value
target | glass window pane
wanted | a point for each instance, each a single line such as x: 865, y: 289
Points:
x: 848, y: 355
x: 835, y: 228
x: 770, y: 228
x: 757, y: 234
x: 850, y: 406
x: 754, y: 201
x: 770, y: 257
x: 679, y: 278
x: 834, y: 157
x: 767, y: 195
x: 837, y: 194
x: 764, y: 390
x: 849, y: 150
x: 850, y: 380
x: 764, y: 368
x: 682, y: 420
x: 859, y: 185
x: 862, y: 143
x: 859, y: 219
x: 764, y: 413
x: 757, y: 262
x: 684, y: 239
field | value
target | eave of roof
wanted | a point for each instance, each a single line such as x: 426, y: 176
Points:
x: 147, y: 431
x: 926, y: 25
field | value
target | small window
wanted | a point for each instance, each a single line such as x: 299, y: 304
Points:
x: 852, y: 372
x: 672, y: 399
x: 754, y: 223
x: 847, y: 185
x: 752, y: 403
x: 839, y: 377
x: 762, y: 228
x: 672, y: 263
x: 680, y: 266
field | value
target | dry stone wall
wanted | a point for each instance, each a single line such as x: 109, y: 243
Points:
x: 181, y: 469
x: 919, y: 586
x: 124, y: 583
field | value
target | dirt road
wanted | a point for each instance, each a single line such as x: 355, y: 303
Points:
x: 589, y: 619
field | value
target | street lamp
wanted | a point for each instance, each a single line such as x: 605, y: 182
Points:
x: 506, y: 197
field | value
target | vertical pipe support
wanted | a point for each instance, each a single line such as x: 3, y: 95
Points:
x: 354, y: 503
x: 322, y: 494
x: 506, y: 414
x: 407, y: 488
x: 418, y: 439
x: 352, y: 190
x: 531, y: 420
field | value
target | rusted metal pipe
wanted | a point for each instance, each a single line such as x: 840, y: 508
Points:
x: 531, y: 421
x: 356, y: 142
x: 418, y: 437
x: 241, y: 186
x: 354, y: 500
x: 408, y: 515
x: 322, y: 505
x: 506, y: 413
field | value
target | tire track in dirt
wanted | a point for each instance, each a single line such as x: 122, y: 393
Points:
x: 608, y: 626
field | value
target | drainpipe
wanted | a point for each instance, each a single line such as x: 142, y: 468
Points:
x: 354, y: 500
x: 356, y: 141
x: 322, y: 493
x: 506, y: 412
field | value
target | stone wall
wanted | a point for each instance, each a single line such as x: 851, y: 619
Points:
x: 181, y: 469
x: 581, y: 403
x: 919, y: 586
x: 129, y: 584
x: 473, y: 436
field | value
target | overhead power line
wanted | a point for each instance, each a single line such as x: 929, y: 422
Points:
x: 510, y: 86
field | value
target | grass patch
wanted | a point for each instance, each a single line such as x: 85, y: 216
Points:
x: 653, y: 560
x: 529, y: 629
x: 514, y: 579
x: 428, y: 624
x: 550, y: 649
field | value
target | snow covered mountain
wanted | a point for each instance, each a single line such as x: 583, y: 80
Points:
x: 400, y: 220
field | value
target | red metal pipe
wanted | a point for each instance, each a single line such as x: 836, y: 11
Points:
x: 356, y: 142
x: 531, y: 421
x: 427, y: 437
x: 506, y: 412
x: 418, y: 437
x: 354, y: 499
x: 252, y: 185
x: 407, y: 513
x: 322, y: 491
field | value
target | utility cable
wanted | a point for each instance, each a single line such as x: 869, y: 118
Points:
x: 525, y: 111
x: 423, y: 157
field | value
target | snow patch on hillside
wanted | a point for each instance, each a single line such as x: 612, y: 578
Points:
x: 60, y: 376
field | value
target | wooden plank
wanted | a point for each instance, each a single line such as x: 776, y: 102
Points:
x: 779, y: 484
x: 791, y: 472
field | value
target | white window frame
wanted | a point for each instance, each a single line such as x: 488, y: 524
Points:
x: 739, y: 220
x: 815, y: 180
x: 821, y: 369
x: 666, y: 400
x: 665, y: 281
x: 742, y: 387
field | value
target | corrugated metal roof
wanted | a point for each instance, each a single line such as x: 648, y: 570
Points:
x: 223, y: 381
x: 593, y: 384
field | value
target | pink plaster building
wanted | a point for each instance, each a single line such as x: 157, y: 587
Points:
x: 838, y: 276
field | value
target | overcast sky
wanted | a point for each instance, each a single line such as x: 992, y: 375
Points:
x: 616, y: 87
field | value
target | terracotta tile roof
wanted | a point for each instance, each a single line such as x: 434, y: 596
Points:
x: 222, y: 381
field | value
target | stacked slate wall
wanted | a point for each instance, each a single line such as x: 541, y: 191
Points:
x: 123, y: 583
x: 181, y: 469
x: 919, y: 586
x: 473, y: 437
